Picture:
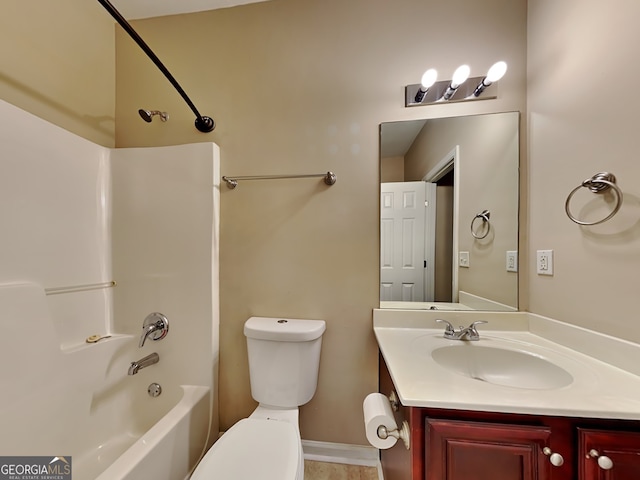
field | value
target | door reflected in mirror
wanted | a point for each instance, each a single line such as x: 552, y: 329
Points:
x: 449, y: 201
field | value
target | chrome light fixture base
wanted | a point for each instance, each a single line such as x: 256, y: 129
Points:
x: 435, y: 94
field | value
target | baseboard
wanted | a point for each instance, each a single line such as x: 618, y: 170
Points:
x: 341, y: 453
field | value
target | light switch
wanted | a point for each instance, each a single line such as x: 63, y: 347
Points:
x: 512, y: 260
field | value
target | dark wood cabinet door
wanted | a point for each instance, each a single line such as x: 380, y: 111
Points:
x: 460, y: 450
x: 622, y: 448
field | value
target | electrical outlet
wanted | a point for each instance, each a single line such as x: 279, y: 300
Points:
x: 512, y: 261
x: 544, y: 262
x: 463, y: 259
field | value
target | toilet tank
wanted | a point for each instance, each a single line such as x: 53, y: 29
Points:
x: 284, y: 357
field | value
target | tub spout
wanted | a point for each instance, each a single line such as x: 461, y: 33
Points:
x: 143, y: 363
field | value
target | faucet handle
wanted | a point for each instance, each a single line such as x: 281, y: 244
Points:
x: 448, y: 328
x: 479, y: 322
x: 472, y: 327
x: 155, y: 326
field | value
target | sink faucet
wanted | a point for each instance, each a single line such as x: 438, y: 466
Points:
x: 143, y: 363
x: 469, y: 333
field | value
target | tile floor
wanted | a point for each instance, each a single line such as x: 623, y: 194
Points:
x: 336, y: 471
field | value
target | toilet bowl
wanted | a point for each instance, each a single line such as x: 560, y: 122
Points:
x: 284, y: 358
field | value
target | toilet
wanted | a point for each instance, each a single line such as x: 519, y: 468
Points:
x: 284, y: 356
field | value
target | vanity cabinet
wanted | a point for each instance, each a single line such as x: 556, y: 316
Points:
x: 471, y: 445
x: 608, y: 455
x: 459, y: 450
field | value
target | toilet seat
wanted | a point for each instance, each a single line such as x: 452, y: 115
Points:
x: 256, y: 449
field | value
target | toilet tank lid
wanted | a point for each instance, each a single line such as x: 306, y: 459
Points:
x: 283, y: 329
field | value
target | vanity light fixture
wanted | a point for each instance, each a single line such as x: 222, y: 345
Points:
x: 459, y: 77
x: 495, y: 73
x: 428, y: 79
x: 461, y: 88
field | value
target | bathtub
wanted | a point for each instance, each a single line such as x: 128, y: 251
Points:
x: 169, y: 450
x: 78, y: 401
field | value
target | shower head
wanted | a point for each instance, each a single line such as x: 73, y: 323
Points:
x: 147, y: 115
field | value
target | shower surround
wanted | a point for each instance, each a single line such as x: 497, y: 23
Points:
x: 75, y: 214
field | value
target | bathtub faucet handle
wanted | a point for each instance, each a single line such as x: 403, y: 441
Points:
x: 155, y: 326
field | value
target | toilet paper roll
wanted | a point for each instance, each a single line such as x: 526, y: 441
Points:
x: 377, y: 411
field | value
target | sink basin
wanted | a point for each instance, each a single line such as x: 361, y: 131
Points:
x: 502, y: 366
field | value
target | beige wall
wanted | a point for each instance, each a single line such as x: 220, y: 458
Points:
x: 583, y: 118
x: 301, y: 86
x: 392, y: 169
x: 58, y: 62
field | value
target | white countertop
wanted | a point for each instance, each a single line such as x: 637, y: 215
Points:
x: 605, y: 387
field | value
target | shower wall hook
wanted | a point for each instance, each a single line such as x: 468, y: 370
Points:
x: 601, y: 182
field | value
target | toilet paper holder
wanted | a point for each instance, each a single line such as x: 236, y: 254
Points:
x: 401, y: 433
x: 394, y: 401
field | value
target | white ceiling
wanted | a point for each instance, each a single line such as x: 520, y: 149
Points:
x: 136, y: 9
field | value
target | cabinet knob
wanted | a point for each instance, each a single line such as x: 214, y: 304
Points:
x: 555, y: 458
x: 604, y: 462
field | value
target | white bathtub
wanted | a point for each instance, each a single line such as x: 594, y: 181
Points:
x: 169, y: 450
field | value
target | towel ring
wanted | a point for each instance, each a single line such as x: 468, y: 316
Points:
x: 599, y: 183
x: 485, y: 215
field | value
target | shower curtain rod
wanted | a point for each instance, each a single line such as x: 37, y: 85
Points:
x: 203, y: 123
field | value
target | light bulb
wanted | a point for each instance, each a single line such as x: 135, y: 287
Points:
x: 428, y: 79
x: 495, y: 73
x: 460, y: 76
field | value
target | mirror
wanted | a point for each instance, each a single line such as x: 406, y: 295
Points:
x: 449, y: 213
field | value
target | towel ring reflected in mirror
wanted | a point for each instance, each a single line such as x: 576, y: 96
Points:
x: 485, y: 226
x: 600, y: 183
